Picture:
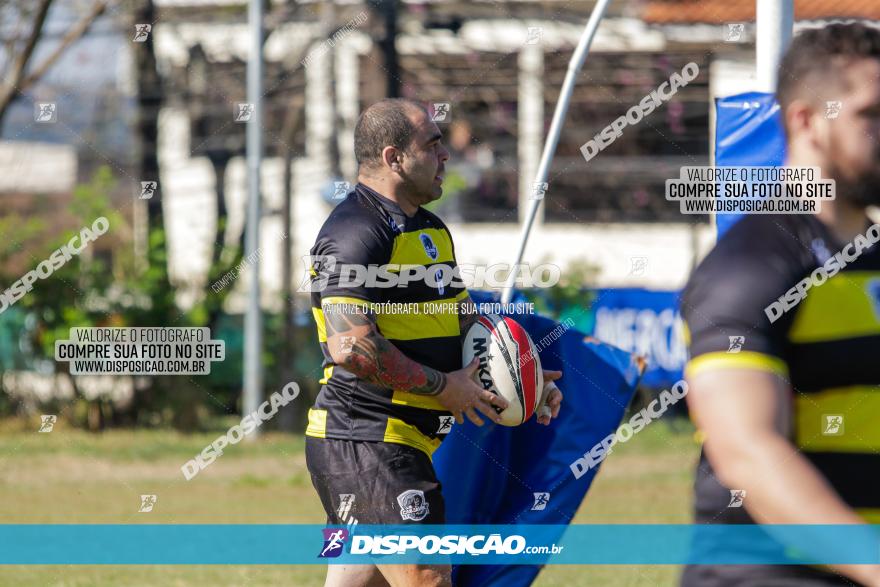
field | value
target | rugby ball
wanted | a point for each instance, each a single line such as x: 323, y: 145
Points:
x: 509, y: 365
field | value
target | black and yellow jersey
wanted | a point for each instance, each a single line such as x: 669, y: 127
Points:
x: 826, y: 345
x: 370, y: 231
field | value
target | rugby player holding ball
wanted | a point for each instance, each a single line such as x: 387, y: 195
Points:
x: 393, y: 382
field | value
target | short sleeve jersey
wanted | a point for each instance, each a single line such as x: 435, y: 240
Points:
x: 743, y: 307
x: 366, y: 238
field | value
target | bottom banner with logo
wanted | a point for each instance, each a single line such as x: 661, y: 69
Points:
x: 261, y: 544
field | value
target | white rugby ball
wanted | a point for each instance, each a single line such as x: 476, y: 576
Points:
x: 509, y: 365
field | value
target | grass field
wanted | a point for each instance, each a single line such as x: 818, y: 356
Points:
x: 69, y: 476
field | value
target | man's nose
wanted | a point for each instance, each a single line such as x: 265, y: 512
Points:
x: 444, y: 154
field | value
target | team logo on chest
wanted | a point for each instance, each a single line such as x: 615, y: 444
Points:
x: 413, y: 505
x: 430, y: 247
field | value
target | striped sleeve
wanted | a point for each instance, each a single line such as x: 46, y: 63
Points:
x: 723, y: 307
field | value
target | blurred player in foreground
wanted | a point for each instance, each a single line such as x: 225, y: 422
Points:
x: 393, y: 382
x: 787, y: 398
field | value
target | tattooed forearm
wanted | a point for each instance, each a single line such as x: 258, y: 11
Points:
x: 378, y: 361
x: 370, y: 356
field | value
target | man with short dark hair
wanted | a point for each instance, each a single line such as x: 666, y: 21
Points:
x: 790, y: 417
x: 393, y: 380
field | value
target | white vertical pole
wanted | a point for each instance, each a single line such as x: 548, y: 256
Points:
x: 253, y: 320
x: 530, y: 121
x: 775, y: 23
x: 574, y: 66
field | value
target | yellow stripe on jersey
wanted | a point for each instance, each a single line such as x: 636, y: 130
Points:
x: 422, y: 324
x: 328, y: 373
x: 415, y: 400
x: 318, y: 315
x: 399, y: 432
x: 317, y: 427
x: 838, y: 309
x: 461, y: 295
x: 408, y: 248
x: 742, y: 360
x: 858, y: 431
x: 870, y: 515
x: 686, y: 333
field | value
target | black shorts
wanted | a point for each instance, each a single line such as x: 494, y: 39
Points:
x: 374, y: 482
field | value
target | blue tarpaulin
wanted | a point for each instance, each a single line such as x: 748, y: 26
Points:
x: 490, y: 474
x: 748, y: 132
x: 642, y: 321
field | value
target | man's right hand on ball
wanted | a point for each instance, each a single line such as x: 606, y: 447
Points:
x: 464, y: 395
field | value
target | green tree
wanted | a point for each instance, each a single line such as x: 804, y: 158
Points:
x: 106, y: 285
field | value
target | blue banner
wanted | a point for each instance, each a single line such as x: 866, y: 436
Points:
x: 499, y: 475
x: 748, y: 132
x: 499, y: 547
x: 646, y: 323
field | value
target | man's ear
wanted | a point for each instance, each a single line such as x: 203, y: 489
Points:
x: 804, y: 122
x: 391, y: 157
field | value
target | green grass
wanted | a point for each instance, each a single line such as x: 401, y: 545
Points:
x: 69, y: 476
